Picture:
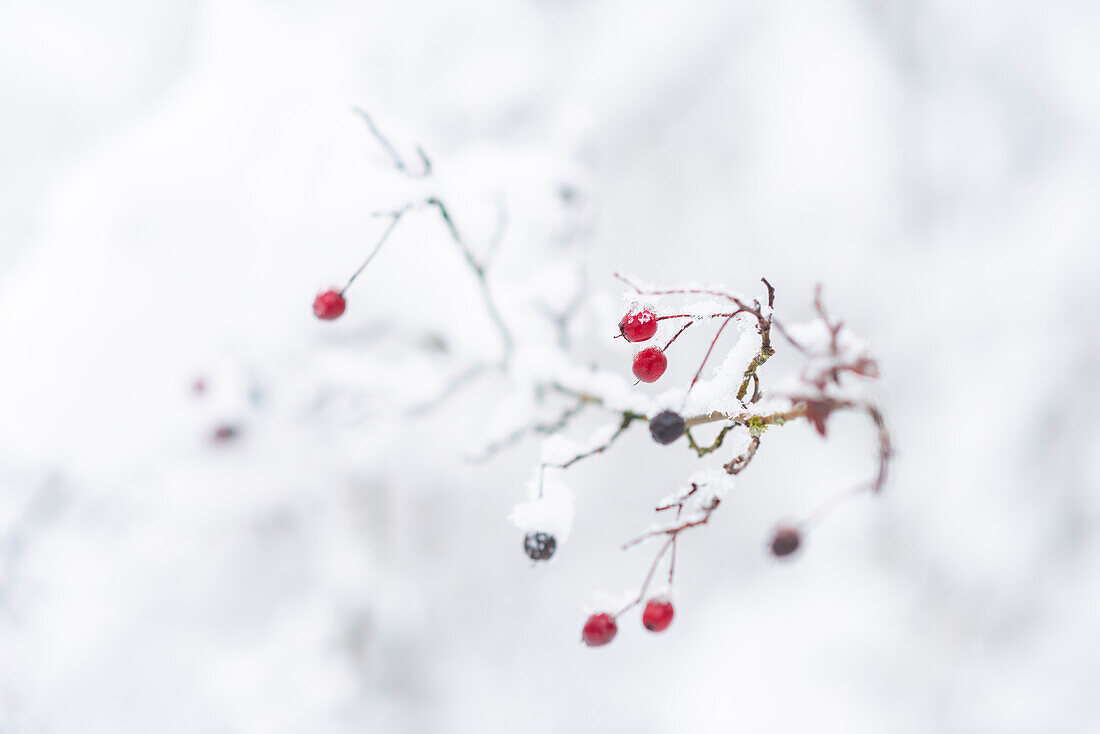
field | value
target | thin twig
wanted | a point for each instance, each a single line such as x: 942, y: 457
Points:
x: 398, y: 161
x: 707, y: 355
x: 395, y: 217
x: 541, y: 429
x: 455, y: 384
x: 677, y: 334
x: 628, y: 418
x: 648, y: 577
x: 483, y: 283
x: 739, y: 462
x: 677, y: 529
x: 704, y: 450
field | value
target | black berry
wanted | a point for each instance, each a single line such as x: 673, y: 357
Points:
x: 785, y: 542
x: 667, y: 426
x: 539, y: 546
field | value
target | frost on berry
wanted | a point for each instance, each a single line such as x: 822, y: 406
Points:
x: 667, y: 426
x: 599, y: 629
x: 329, y: 305
x: 657, y: 615
x: 785, y: 542
x: 650, y: 364
x: 539, y: 546
x: 639, y: 324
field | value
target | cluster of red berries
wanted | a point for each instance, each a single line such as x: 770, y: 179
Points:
x: 600, y: 628
x: 640, y: 325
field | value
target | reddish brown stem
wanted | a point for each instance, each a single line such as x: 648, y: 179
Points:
x: 678, y: 333
x: 648, y: 577
x: 709, y: 350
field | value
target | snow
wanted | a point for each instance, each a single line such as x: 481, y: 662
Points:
x: 180, y: 179
x: 703, y: 488
x: 552, y: 512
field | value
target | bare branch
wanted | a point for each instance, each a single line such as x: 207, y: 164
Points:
x: 704, y: 450
x: 541, y: 429
x: 738, y: 463
x: 398, y: 161
x: 679, y: 527
x: 453, y: 386
x: 628, y: 418
x: 483, y: 284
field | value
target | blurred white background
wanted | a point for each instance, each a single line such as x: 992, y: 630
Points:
x: 178, y: 180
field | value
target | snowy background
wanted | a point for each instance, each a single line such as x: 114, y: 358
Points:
x: 178, y: 180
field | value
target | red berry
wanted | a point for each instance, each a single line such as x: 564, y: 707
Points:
x: 650, y: 364
x: 785, y: 542
x: 657, y: 615
x: 329, y: 305
x: 599, y: 630
x: 637, y: 326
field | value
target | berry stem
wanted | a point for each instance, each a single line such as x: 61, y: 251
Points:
x: 710, y: 349
x: 678, y: 333
x: 395, y: 217
x: 825, y: 508
x: 672, y: 564
x: 648, y: 577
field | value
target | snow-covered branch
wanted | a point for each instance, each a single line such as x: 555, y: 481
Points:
x: 836, y: 375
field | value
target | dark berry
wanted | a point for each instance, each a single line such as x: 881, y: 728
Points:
x: 599, y: 630
x: 785, y: 542
x: 637, y: 326
x: 657, y: 615
x: 650, y: 364
x: 224, y: 433
x: 329, y: 305
x: 667, y: 426
x: 539, y: 546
